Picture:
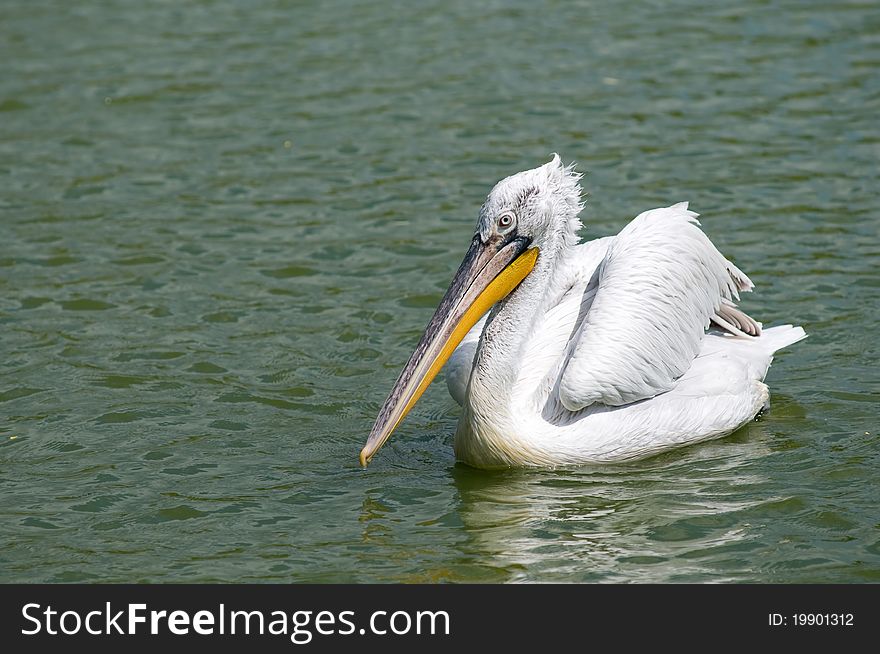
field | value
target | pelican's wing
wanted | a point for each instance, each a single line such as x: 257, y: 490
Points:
x: 658, y: 287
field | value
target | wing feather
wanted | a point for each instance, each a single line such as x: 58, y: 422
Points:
x: 659, y: 285
x: 735, y: 320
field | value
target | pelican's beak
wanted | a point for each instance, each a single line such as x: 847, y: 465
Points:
x: 489, y: 272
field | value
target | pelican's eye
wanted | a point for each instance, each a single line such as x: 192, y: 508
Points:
x: 505, y: 220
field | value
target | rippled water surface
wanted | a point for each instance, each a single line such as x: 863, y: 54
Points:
x: 224, y: 225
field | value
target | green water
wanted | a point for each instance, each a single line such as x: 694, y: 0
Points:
x: 224, y: 226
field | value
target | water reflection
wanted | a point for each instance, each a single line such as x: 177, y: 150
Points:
x: 598, y: 523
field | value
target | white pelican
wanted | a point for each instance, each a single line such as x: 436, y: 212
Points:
x: 594, y: 352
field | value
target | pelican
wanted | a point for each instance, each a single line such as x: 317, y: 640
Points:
x: 565, y: 353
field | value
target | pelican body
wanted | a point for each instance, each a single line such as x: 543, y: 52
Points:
x: 563, y: 353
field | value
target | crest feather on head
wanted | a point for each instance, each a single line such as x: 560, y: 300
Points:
x: 567, y: 193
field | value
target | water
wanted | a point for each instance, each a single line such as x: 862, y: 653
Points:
x: 224, y: 226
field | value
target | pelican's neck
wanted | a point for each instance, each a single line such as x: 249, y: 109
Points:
x: 507, y: 332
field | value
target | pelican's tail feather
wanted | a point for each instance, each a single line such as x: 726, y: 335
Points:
x: 776, y: 338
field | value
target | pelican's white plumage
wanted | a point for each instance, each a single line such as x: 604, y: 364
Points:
x: 602, y: 353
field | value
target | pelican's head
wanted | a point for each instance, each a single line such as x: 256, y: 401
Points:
x: 532, y: 212
x: 541, y: 204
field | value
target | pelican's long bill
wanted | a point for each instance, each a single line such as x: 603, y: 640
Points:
x: 489, y: 272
